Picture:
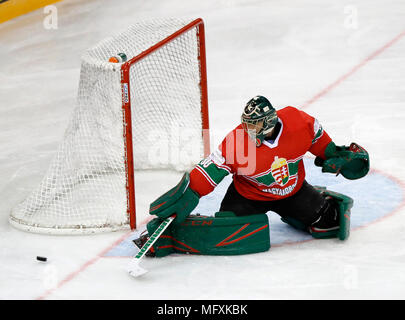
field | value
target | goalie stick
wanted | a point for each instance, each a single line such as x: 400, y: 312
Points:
x: 134, y: 268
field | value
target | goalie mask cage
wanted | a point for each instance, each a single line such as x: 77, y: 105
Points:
x: 150, y: 112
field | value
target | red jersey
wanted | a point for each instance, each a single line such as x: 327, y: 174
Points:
x: 272, y: 171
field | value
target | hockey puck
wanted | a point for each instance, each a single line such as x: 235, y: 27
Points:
x: 41, y: 258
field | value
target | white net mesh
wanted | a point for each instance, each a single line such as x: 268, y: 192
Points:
x: 84, y: 190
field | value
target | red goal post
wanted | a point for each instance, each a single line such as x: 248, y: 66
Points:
x: 126, y: 105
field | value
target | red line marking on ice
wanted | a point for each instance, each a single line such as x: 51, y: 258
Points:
x: 323, y: 92
x: 351, y: 71
x: 398, y: 208
x: 87, y: 264
x: 82, y: 268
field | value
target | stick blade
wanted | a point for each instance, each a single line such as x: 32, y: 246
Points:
x: 135, y: 270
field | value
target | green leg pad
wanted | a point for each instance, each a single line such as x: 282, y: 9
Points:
x: 223, y: 234
x: 345, y: 204
x: 294, y: 223
x: 163, y: 246
x: 325, y: 234
x: 300, y: 226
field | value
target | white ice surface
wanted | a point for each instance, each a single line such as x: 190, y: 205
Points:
x: 288, y: 51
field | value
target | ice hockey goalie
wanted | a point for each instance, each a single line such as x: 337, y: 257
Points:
x: 264, y: 154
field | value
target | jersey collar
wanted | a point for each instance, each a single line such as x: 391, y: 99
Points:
x: 274, y: 144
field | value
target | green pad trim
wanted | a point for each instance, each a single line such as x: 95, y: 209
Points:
x: 224, y: 234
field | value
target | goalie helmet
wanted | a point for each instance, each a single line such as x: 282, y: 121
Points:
x: 258, y: 118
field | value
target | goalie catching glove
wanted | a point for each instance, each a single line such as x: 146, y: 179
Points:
x: 352, y: 161
x: 180, y: 200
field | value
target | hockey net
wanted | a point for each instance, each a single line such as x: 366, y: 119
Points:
x: 147, y: 113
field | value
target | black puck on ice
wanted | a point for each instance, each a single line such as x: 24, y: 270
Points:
x: 41, y: 258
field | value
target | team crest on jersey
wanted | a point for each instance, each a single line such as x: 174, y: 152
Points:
x: 279, y: 170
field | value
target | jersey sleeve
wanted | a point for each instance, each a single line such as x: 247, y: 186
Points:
x: 320, y: 139
x: 209, y: 172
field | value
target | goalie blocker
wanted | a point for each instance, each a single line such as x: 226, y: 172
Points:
x: 225, y: 233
